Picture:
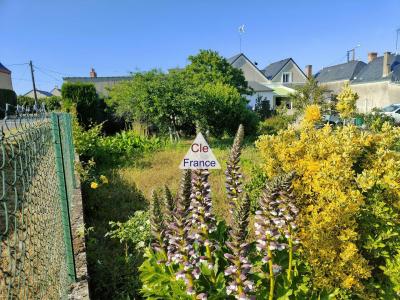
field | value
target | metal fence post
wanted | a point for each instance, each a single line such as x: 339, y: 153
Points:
x: 68, y: 123
x: 57, y: 142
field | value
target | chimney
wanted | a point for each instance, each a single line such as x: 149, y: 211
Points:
x: 372, y: 56
x: 93, y: 73
x: 308, y: 71
x: 386, y: 64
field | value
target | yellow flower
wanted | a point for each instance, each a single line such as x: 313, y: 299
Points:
x: 104, y: 179
x: 94, y: 185
x: 312, y: 114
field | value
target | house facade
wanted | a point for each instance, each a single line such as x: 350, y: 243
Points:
x: 274, y: 83
x: 5, y: 78
x: 377, y: 82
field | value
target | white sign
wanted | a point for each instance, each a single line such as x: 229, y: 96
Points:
x: 199, y: 156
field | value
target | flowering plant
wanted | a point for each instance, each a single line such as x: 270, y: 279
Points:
x: 194, y: 256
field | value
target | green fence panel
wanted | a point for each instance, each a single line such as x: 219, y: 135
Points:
x: 36, y: 168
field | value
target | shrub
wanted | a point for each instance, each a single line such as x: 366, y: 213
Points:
x: 347, y: 189
x: 6, y: 97
x: 92, y: 144
x: 274, y: 124
x: 375, y: 120
x: 84, y: 96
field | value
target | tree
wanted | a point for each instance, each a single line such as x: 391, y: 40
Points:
x: 84, y: 96
x: 347, y: 99
x: 309, y: 94
x: 206, y: 93
x: 262, y: 108
x: 208, y: 67
x: 152, y: 97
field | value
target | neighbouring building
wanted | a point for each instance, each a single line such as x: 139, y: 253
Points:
x: 274, y: 83
x: 39, y: 93
x: 5, y: 78
x: 56, y: 91
x: 285, y: 72
x: 102, y: 84
x: 334, y: 77
x: 377, y: 82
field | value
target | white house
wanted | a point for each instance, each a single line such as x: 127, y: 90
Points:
x: 274, y: 83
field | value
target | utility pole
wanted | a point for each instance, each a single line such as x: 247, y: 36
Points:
x: 33, y: 83
x: 397, y: 40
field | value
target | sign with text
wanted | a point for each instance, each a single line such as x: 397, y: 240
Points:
x: 199, y: 156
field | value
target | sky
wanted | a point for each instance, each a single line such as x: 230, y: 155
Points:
x: 115, y: 37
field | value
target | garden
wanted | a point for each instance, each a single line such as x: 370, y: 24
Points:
x: 299, y: 210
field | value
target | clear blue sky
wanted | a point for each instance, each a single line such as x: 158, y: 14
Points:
x: 119, y: 36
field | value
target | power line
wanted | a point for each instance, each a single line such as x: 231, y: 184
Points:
x: 21, y: 64
x: 47, y: 74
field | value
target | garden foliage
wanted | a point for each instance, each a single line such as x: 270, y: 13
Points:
x: 208, y: 93
x: 347, y: 188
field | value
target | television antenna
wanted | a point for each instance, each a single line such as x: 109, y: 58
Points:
x: 353, y: 51
x: 241, y: 32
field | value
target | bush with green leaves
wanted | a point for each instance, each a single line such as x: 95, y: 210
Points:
x: 195, y: 256
x: 375, y: 119
x: 275, y: 123
x: 92, y: 144
x: 85, y: 98
x: 7, y: 97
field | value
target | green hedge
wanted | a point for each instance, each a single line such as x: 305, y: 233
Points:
x: 6, y: 96
x: 84, y: 96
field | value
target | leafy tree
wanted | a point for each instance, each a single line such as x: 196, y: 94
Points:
x: 53, y: 103
x: 262, y: 108
x: 208, y: 67
x: 309, y: 94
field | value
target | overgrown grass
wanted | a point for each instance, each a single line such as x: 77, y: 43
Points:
x: 112, y: 271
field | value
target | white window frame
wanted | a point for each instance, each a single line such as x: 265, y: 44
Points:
x: 289, y: 77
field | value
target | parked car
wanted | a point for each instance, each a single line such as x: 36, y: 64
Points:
x: 332, y: 119
x: 393, y: 110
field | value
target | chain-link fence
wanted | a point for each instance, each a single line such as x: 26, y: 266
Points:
x: 36, y: 182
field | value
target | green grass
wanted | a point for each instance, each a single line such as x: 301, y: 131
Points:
x: 129, y: 189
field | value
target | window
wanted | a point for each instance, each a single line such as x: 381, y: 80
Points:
x: 286, y: 77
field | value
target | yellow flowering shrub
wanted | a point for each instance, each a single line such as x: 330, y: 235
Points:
x: 312, y: 114
x: 347, y: 99
x: 336, y: 168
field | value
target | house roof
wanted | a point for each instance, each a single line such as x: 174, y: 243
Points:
x: 232, y: 59
x: 96, y: 79
x: 346, y: 71
x: 40, y: 92
x: 3, y: 69
x: 374, y: 69
x: 258, y: 87
x: 273, y: 69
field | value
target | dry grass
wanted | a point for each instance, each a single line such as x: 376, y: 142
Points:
x: 161, y: 168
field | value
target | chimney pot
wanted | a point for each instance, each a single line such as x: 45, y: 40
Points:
x: 372, y: 56
x: 309, y: 71
x: 386, y: 64
x: 93, y: 73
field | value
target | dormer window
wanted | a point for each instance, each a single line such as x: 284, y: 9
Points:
x: 286, y: 77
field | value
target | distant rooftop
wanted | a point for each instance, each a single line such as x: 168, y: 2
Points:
x: 345, y: 71
x: 96, y: 79
x: 3, y: 69
x: 272, y: 69
x: 373, y: 71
